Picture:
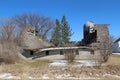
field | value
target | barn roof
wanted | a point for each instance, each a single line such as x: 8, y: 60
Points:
x: 117, y: 40
x: 30, y: 41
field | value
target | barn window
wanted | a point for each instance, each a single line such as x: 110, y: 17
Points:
x: 31, y: 52
x: 61, y: 53
x: 47, y: 52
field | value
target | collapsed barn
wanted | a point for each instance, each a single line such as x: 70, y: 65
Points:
x: 95, y: 42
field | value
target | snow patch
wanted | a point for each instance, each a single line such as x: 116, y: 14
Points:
x: 88, y: 62
x: 59, y: 77
x: 116, y: 53
x: 58, y: 63
x: 45, y: 76
x: 30, y: 77
x: 8, y: 76
x: 110, y: 75
x: 62, y: 76
x: 78, y: 65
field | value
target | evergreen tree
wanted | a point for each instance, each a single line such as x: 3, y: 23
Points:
x: 56, y: 38
x: 66, y: 31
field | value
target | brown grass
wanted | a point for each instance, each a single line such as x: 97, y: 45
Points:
x: 39, y: 68
x: 24, y: 69
x: 113, y: 60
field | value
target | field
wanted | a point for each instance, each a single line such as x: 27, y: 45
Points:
x: 113, y: 59
x: 41, y: 69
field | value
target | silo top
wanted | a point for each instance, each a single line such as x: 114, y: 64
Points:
x: 89, y: 24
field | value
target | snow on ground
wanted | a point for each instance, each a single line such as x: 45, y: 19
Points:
x: 111, y: 75
x: 59, y: 63
x: 57, y: 76
x: 63, y: 75
x: 7, y: 76
x: 88, y: 62
x: 82, y: 62
x: 45, y: 76
x: 116, y: 53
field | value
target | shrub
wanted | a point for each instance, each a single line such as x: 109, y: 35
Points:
x: 9, y: 52
x: 70, y: 56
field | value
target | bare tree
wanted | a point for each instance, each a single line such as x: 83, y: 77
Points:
x: 112, y: 39
x: 7, y: 31
x: 44, y: 25
x: 9, y: 49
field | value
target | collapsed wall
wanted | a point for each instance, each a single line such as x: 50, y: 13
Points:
x: 97, y: 37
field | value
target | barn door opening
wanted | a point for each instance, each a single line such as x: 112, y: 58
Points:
x: 47, y: 52
x: 31, y: 53
x: 61, y: 52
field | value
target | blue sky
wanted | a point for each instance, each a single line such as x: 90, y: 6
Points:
x: 77, y: 12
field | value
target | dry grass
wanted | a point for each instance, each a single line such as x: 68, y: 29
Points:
x: 113, y: 60
x: 39, y: 68
x: 25, y: 68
